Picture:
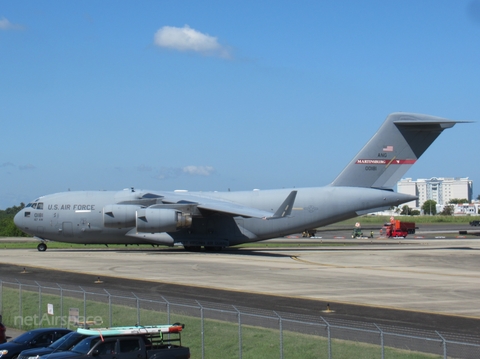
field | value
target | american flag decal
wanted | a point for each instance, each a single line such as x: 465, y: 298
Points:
x: 388, y: 149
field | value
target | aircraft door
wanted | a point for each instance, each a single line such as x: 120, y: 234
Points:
x: 67, y: 229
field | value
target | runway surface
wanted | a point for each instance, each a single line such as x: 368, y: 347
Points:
x: 432, y: 284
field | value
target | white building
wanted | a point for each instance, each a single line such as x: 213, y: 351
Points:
x: 440, y: 189
x: 466, y: 209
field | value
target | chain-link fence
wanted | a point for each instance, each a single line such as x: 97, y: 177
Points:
x: 215, y: 330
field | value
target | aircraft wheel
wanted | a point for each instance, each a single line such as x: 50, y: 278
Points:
x: 42, y: 247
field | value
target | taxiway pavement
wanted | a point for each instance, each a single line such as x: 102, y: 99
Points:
x: 435, y: 276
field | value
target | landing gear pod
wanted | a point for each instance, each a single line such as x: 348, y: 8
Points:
x: 154, y: 220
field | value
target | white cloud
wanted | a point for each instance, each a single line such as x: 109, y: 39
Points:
x: 5, y: 24
x: 199, y: 170
x: 144, y: 168
x: 7, y: 164
x: 27, y: 167
x: 188, y: 39
x: 168, y: 173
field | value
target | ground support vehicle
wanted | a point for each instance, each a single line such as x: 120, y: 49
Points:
x: 36, y: 338
x: 397, y: 228
x: 357, y: 233
x: 136, y: 342
x: 309, y: 233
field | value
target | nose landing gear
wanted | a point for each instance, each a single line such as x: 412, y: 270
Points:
x: 42, y: 247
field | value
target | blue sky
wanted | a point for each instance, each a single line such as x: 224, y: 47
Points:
x: 218, y: 95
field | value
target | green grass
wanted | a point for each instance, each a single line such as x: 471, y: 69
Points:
x: 221, y: 338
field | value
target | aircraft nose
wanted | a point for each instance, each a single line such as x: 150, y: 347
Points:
x: 18, y: 219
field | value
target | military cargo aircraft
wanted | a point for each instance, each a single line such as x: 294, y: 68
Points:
x: 215, y: 220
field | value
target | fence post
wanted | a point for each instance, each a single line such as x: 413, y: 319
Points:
x: 138, y: 308
x: 64, y: 322
x: 444, y: 345
x: 329, y: 338
x: 381, y: 340
x: 1, y: 296
x: 168, y: 309
x: 39, y: 300
x: 109, y: 308
x: 240, y: 343
x: 84, y: 308
x: 20, y: 312
x: 202, y: 328
x: 280, y: 328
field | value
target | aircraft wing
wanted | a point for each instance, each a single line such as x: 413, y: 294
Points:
x: 235, y: 209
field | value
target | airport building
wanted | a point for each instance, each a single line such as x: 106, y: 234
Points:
x: 439, y: 189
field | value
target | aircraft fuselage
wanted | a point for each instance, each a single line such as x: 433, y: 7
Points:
x: 79, y: 217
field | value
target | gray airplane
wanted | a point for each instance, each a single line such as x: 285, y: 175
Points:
x: 215, y: 220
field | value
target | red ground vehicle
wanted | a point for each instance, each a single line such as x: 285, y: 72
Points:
x: 397, y: 228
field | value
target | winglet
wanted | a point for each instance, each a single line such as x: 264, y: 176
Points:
x: 285, y: 208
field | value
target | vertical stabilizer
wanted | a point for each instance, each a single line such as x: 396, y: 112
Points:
x: 396, y: 146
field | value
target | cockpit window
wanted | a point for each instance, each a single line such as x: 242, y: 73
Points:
x: 38, y: 205
x: 35, y: 204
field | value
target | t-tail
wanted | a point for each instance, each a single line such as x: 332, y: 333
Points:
x: 396, y: 146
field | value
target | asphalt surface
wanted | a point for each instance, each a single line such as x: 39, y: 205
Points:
x: 202, y: 274
x: 411, y: 319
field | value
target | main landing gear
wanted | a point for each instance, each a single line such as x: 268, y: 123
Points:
x: 42, y: 247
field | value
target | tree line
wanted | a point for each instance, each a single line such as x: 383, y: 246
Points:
x: 429, y: 207
x: 7, y: 227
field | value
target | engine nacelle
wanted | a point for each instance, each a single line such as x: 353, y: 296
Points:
x: 155, y: 220
x: 119, y: 215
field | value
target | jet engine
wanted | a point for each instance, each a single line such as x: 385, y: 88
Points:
x: 155, y: 220
x: 119, y: 215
